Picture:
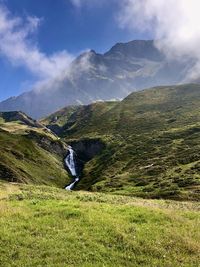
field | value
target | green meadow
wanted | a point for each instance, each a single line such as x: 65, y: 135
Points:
x: 45, y: 226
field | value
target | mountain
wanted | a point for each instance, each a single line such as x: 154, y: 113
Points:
x: 125, y: 68
x: 146, y: 145
x: 30, y: 153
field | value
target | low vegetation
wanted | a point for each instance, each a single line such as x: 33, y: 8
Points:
x: 152, y: 143
x: 30, y: 153
x: 45, y: 226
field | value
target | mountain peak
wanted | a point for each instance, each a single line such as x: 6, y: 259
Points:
x: 92, y: 51
x: 137, y: 49
x: 125, y: 68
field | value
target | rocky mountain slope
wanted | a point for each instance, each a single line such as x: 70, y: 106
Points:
x: 29, y: 152
x: 146, y: 145
x: 127, y: 67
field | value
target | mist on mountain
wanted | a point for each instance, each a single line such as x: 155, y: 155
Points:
x: 125, y: 68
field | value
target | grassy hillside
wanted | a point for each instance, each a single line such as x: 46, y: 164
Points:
x: 152, y: 143
x: 29, y: 153
x: 74, y: 118
x: 45, y: 226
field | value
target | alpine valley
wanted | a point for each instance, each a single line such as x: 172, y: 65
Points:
x: 146, y: 145
x: 112, y: 176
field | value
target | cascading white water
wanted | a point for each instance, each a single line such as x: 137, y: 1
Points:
x: 71, y: 186
x: 70, y: 162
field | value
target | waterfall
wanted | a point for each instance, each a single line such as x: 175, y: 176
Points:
x: 70, y: 162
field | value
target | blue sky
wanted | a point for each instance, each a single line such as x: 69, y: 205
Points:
x: 53, y: 30
x: 39, y: 38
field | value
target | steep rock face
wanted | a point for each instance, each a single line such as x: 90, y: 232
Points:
x: 137, y: 49
x: 53, y: 146
x: 85, y: 150
x: 127, y: 67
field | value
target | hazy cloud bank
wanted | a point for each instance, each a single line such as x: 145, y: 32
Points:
x: 174, y: 24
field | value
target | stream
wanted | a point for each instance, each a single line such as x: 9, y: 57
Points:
x: 70, y: 163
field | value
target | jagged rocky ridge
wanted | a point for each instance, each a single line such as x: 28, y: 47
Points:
x: 127, y: 67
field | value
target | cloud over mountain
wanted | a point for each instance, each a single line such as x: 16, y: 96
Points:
x: 126, y: 67
x: 174, y: 24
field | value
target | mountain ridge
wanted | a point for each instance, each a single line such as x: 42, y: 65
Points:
x: 125, y: 68
x: 151, y: 143
x: 30, y: 153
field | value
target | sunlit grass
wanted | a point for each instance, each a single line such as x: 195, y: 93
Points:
x: 44, y: 226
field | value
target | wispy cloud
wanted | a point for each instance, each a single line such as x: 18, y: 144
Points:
x: 174, y: 24
x: 16, y: 44
x: 72, y: 74
x: 88, y: 3
x: 76, y: 3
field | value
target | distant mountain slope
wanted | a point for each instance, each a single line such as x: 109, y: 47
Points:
x: 69, y: 118
x: 127, y: 67
x: 17, y: 116
x: 29, y: 152
x: 151, y: 142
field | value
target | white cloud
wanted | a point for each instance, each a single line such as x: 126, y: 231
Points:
x: 17, y: 46
x: 80, y: 66
x: 88, y: 3
x: 174, y: 24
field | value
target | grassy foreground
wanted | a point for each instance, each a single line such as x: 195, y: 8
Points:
x: 44, y: 226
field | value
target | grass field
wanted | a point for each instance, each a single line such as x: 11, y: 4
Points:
x: 45, y: 226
